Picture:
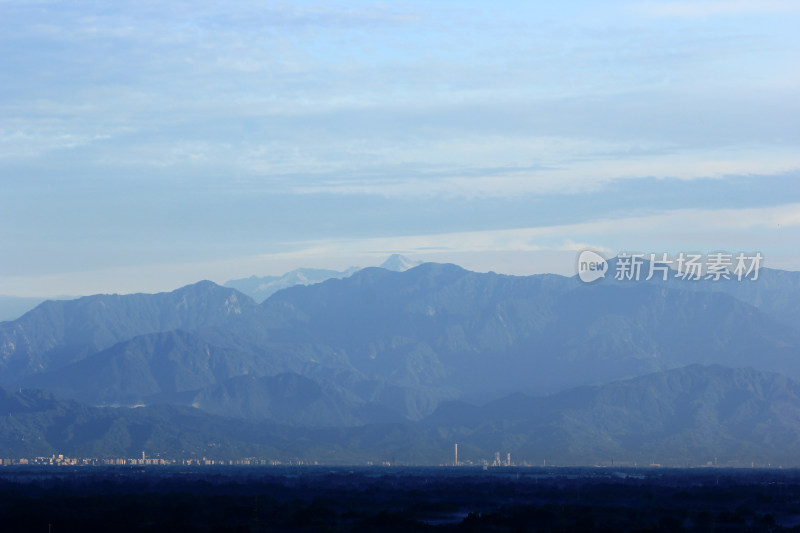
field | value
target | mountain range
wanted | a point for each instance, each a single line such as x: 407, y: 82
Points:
x: 430, y: 354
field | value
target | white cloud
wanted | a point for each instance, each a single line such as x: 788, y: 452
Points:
x: 25, y: 143
x: 597, y: 234
x: 560, y: 175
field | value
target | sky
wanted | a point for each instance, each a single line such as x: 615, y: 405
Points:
x: 146, y: 145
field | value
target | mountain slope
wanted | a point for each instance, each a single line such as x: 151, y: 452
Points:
x: 149, y: 367
x: 13, y: 307
x: 685, y: 416
x: 604, y: 332
x: 289, y: 399
x: 774, y: 292
x: 35, y: 423
x: 488, y: 334
x: 57, y: 333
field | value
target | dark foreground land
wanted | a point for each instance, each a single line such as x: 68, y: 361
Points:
x: 397, y: 499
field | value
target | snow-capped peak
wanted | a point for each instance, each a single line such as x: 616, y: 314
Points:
x: 399, y: 263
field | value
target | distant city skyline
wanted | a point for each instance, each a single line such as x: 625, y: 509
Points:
x: 147, y: 146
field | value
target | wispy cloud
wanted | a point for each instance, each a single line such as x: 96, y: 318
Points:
x: 263, y: 123
x: 608, y: 234
x: 563, y: 176
x: 20, y: 143
x: 772, y: 230
x: 706, y: 8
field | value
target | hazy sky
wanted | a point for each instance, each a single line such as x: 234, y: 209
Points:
x: 145, y: 145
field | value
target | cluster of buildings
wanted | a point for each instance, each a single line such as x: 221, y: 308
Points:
x: 497, y: 461
x: 62, y: 460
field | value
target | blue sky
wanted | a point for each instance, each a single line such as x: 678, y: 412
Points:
x: 145, y: 145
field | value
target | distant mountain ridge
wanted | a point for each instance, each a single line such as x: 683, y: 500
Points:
x: 261, y: 288
x: 691, y: 416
